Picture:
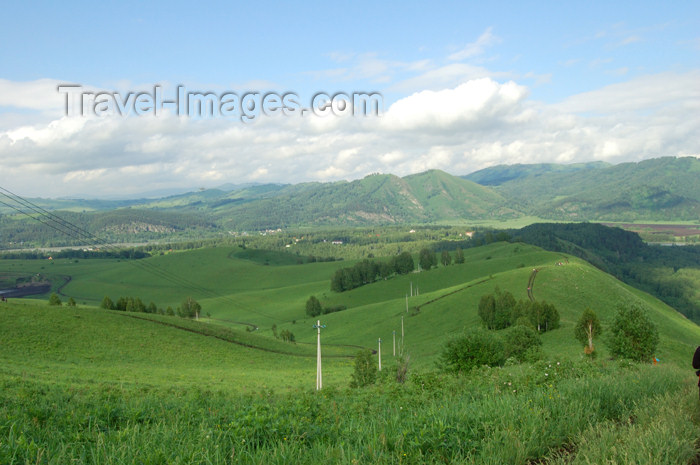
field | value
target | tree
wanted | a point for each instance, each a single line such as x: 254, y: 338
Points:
x: 426, y: 259
x: 445, y: 258
x: 54, y: 300
x: 403, y: 263
x: 190, y: 308
x: 365, y: 369
x: 459, y: 256
x: 633, y: 335
x: 107, y: 303
x: 287, y: 336
x: 71, y: 302
x: 313, y: 306
x: 497, y: 311
x: 587, y: 329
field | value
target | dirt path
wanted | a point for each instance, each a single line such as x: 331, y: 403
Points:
x: 531, y: 284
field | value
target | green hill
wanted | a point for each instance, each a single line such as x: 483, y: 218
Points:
x: 87, y: 385
x: 241, y: 291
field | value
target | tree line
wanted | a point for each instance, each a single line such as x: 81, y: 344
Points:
x: 189, y: 308
x: 368, y: 271
x: 500, y: 310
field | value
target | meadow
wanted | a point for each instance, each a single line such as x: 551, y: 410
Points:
x: 88, y: 385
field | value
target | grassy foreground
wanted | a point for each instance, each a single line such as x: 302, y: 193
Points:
x: 566, y: 412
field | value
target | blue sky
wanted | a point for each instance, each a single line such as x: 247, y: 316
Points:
x: 466, y: 85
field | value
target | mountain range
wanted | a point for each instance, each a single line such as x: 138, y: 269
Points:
x: 661, y: 189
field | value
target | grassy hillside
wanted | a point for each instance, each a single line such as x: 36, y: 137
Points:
x: 94, y: 346
x: 86, y: 385
x: 239, y: 291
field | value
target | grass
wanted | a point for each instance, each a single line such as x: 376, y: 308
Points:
x: 91, y: 346
x: 517, y: 415
x: 86, y: 385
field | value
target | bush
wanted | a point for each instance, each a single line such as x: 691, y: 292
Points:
x: 519, y: 340
x: 365, y: 369
x: 54, y: 300
x: 474, y: 348
x: 633, y: 335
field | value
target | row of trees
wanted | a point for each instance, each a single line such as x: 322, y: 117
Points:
x: 189, y: 308
x: 427, y: 258
x: 314, y: 307
x: 500, y: 310
x: 368, y: 271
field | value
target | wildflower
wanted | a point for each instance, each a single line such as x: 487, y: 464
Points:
x: 546, y: 374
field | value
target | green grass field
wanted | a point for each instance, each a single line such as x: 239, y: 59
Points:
x: 87, y: 385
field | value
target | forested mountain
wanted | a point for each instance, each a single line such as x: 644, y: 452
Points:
x: 665, y: 189
x: 662, y: 189
x: 376, y: 199
x: 497, y: 175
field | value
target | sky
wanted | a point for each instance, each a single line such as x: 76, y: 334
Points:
x: 458, y: 86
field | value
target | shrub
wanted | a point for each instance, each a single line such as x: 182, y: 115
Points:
x: 519, y: 340
x: 633, y: 335
x: 476, y: 347
x: 365, y: 369
x: 54, y: 300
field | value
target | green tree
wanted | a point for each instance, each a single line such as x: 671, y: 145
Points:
x: 445, y: 258
x: 426, y: 259
x: 403, y: 263
x: 190, y: 308
x: 587, y: 328
x: 497, y: 311
x: 313, y: 306
x: 365, y: 372
x: 71, y: 302
x: 107, y: 303
x: 633, y: 335
x: 459, y: 256
x: 54, y: 300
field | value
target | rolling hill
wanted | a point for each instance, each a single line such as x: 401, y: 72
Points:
x: 241, y: 290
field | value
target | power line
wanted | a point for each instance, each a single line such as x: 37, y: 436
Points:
x: 76, y: 232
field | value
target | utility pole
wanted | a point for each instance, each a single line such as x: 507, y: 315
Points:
x: 394, y: 334
x: 319, y: 377
x: 379, y: 352
x: 406, y: 303
x: 401, y: 348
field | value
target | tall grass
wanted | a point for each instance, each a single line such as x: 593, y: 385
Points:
x: 515, y: 415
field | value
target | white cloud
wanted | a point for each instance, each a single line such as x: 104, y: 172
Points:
x: 486, y: 39
x: 468, y: 126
